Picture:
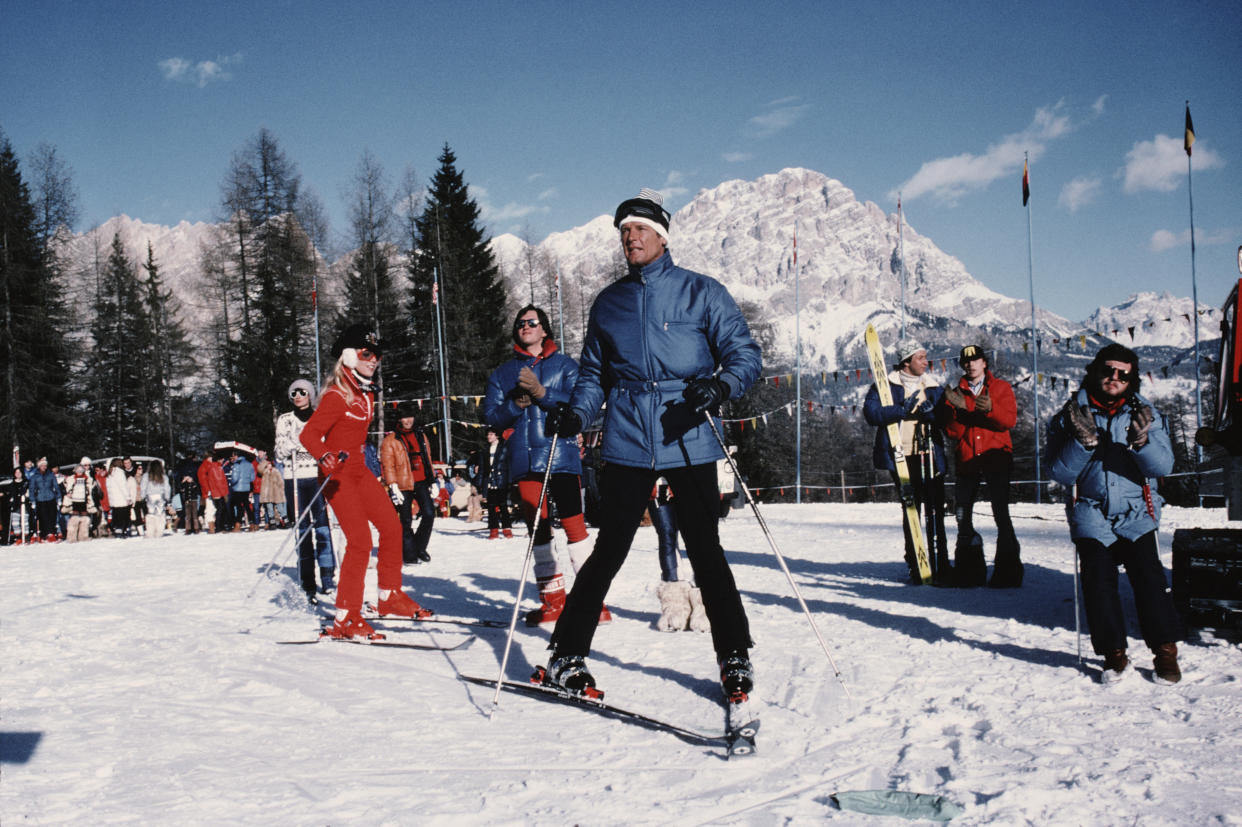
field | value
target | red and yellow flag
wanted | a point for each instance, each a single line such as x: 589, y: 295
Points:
x: 1026, y: 184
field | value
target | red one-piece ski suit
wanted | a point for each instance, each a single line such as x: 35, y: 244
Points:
x: 356, y: 496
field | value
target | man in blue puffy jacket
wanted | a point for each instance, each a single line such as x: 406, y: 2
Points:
x: 1107, y: 445
x: 241, y: 479
x: 519, y: 394
x: 663, y: 346
x: 45, y: 493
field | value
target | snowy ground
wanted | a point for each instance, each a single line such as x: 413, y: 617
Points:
x: 151, y: 690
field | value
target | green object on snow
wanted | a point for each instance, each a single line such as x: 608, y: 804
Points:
x: 897, y: 803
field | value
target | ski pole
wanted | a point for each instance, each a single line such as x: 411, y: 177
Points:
x: 517, y: 598
x: 277, y: 555
x: 1077, y: 613
x: 776, y: 551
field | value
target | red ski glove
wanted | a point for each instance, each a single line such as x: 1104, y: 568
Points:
x: 331, y: 462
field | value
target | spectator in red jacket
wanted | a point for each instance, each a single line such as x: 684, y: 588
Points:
x: 215, y: 487
x: 979, y: 412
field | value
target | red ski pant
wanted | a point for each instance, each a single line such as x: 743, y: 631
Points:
x: 563, y: 489
x: 359, y: 502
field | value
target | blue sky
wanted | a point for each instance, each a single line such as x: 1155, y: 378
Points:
x: 557, y: 111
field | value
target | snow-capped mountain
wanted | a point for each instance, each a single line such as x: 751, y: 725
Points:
x: 177, y: 251
x: 742, y: 233
x: 1153, y: 320
x: 848, y: 266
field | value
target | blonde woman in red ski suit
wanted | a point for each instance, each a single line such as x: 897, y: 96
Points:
x: 335, y: 433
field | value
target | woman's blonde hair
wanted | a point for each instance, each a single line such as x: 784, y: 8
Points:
x: 339, y: 381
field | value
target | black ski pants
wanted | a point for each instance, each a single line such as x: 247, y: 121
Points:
x: 1158, y: 618
x: 928, y: 494
x: 624, y: 494
x: 997, y: 480
x: 426, y: 518
x: 498, y: 509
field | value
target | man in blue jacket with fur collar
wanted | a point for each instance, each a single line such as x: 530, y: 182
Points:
x: 1108, y: 446
x: 664, y: 347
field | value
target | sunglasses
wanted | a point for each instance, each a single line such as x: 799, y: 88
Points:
x: 521, y: 323
x: 1118, y: 373
x: 298, y: 392
x: 368, y: 355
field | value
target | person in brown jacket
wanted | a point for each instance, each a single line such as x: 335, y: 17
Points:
x: 271, y: 492
x: 405, y: 464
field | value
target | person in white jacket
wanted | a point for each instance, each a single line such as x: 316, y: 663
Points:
x: 157, y: 494
x: 301, y: 473
x: 119, y: 499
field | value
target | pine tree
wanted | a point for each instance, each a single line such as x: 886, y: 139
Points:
x: 34, y: 399
x: 262, y: 269
x: 117, y: 365
x: 172, y: 362
x: 453, y: 248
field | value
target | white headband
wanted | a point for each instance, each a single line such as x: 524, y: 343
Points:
x: 638, y: 219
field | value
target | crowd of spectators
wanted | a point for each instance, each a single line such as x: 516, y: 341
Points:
x: 119, y: 497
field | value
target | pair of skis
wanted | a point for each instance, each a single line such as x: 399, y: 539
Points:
x: 741, y: 722
x: 879, y: 372
x: 394, y: 623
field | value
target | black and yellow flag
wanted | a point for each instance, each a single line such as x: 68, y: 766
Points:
x: 1189, y: 140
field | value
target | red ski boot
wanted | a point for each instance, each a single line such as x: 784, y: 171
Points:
x: 552, y: 597
x: 352, y: 626
x: 402, y: 605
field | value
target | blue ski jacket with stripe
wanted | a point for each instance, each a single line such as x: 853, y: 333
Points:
x: 649, y: 334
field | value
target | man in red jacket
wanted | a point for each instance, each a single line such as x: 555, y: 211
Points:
x: 215, y: 487
x: 979, y: 412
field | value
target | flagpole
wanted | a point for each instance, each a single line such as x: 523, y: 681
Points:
x: 1194, y: 288
x: 901, y: 248
x: 437, y: 290
x: 797, y: 372
x: 1030, y: 269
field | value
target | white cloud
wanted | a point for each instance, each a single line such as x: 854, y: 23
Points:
x: 672, y: 185
x: 1162, y: 240
x: 781, y: 115
x: 549, y: 194
x: 737, y: 157
x: 1160, y: 164
x: 180, y: 70
x: 1098, y: 106
x: 948, y: 179
x: 1079, y: 192
x: 509, y: 212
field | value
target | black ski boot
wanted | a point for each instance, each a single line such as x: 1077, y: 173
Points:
x: 737, y: 676
x: 569, y: 672
x: 1007, y: 569
x: 972, y: 567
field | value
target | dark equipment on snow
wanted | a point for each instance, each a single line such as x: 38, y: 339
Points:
x: 1207, y: 563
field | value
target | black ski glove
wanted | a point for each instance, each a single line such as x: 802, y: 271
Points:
x: 705, y: 393
x: 1140, y: 420
x: 562, y: 421
x: 1081, y: 424
x: 917, y: 408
